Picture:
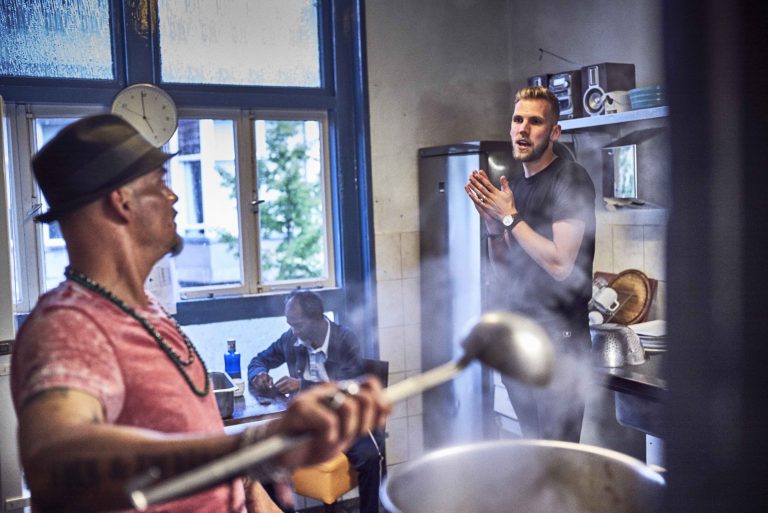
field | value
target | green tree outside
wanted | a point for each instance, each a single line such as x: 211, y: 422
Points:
x: 291, y: 216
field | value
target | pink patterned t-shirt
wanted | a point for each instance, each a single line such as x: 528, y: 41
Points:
x: 75, y: 338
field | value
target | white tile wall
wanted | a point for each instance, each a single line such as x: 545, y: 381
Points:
x: 409, y: 250
x: 392, y: 347
x: 623, y: 246
x: 389, y: 294
x: 397, y: 440
x: 627, y: 247
x: 388, y: 257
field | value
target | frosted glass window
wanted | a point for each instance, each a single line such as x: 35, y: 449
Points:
x: 51, y: 38
x: 240, y: 42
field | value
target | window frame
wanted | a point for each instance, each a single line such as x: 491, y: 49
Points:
x: 245, y: 164
x: 343, y: 96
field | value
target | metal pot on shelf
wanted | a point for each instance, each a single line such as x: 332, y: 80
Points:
x: 616, y: 345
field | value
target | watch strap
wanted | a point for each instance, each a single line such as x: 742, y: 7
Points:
x: 517, y: 220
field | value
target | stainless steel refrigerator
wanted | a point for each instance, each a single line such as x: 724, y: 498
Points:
x: 454, y: 291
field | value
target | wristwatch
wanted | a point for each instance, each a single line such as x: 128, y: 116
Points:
x: 510, y: 221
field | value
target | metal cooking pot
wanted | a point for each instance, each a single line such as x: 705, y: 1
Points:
x: 615, y: 345
x: 523, y: 476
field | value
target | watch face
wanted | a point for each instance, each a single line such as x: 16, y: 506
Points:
x: 507, y: 220
x: 149, y: 109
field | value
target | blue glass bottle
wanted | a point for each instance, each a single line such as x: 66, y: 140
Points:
x: 232, y: 360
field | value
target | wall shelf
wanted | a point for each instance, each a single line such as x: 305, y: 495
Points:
x: 612, y: 119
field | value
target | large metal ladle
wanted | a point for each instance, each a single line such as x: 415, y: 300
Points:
x: 508, y: 342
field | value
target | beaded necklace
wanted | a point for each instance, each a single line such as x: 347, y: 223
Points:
x: 88, y: 283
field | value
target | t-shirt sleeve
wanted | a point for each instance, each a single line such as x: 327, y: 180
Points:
x: 575, y: 195
x: 65, y: 348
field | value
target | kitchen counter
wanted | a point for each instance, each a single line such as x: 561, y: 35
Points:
x: 640, y: 392
x: 643, y: 381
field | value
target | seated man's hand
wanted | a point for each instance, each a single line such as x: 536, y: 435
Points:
x: 287, y: 385
x: 263, y: 381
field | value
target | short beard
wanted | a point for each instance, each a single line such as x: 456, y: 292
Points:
x: 178, y: 246
x: 535, y: 155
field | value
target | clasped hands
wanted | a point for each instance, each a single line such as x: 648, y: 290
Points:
x: 491, y: 202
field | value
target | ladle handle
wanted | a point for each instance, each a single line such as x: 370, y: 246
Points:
x: 422, y: 382
x: 237, y: 463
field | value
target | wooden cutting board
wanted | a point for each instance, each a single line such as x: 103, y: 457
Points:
x: 636, y: 292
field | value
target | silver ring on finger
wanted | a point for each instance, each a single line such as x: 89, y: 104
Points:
x: 349, y: 387
x: 335, y: 401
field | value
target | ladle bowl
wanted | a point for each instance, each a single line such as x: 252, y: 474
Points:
x: 523, y: 476
x: 513, y: 344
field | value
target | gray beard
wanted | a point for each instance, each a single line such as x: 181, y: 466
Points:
x: 178, y: 246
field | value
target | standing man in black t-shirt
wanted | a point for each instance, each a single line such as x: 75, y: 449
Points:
x: 541, y: 242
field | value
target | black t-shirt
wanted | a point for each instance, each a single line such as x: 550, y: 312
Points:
x: 563, y: 190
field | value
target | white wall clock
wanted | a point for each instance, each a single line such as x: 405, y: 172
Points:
x: 149, y: 109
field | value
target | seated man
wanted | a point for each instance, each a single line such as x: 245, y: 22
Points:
x: 318, y: 350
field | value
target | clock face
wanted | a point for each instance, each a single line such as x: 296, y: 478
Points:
x: 149, y: 109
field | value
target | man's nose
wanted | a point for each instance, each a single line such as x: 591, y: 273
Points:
x: 171, y: 195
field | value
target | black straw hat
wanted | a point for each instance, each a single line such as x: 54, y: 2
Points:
x: 90, y: 158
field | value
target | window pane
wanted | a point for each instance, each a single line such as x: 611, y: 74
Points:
x: 290, y: 182
x: 203, y: 176
x: 240, y: 42
x: 51, y: 38
x: 10, y: 199
x: 55, y: 257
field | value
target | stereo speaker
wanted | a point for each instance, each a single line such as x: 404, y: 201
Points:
x: 566, y: 86
x: 599, y: 79
x: 538, y: 80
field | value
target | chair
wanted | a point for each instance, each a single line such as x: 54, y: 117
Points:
x: 331, y: 479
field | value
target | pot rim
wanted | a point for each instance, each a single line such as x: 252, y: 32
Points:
x: 632, y: 463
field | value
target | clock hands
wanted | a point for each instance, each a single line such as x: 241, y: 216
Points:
x: 144, y: 112
x: 125, y: 107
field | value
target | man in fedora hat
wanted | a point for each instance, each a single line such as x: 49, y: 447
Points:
x: 106, y: 386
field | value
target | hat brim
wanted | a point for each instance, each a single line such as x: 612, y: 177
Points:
x: 146, y: 164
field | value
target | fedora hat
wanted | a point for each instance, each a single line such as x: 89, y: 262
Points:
x: 90, y: 158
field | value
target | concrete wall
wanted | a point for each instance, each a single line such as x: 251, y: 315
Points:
x: 438, y: 73
x: 444, y: 71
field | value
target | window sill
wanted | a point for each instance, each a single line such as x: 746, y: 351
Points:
x: 233, y: 308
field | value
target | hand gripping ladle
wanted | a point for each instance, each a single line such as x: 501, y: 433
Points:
x: 506, y: 341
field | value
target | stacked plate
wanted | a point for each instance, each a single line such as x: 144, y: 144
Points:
x: 647, y: 97
x: 653, y: 335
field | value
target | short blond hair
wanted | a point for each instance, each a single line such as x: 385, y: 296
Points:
x: 541, y: 93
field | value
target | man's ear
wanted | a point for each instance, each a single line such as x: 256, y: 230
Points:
x: 118, y: 202
x: 554, y: 134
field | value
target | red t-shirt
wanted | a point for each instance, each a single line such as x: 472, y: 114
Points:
x: 75, y: 338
